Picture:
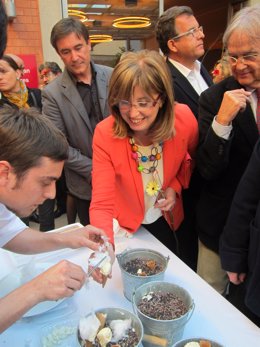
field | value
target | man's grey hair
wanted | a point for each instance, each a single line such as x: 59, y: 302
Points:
x: 245, y: 21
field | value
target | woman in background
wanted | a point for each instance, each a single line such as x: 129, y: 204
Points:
x: 12, y: 88
x: 221, y: 70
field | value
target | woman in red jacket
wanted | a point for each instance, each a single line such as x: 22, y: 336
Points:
x: 141, y: 152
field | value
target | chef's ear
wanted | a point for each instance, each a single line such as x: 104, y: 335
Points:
x: 6, y: 172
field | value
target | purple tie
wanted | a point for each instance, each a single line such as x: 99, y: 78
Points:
x: 258, y: 109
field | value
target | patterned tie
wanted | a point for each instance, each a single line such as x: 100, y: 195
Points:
x: 258, y: 109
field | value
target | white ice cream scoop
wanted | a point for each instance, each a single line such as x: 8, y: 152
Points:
x: 88, y: 327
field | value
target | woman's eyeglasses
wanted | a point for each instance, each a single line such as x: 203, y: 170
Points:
x: 125, y: 106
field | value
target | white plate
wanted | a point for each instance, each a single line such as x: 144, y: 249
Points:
x: 22, y: 275
x: 32, y: 265
x: 42, y: 307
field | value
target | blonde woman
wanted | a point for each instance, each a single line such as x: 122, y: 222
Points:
x: 140, y: 152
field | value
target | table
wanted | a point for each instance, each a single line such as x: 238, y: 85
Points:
x: 214, y: 317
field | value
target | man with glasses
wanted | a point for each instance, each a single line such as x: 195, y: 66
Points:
x: 228, y: 133
x: 49, y: 70
x: 180, y: 38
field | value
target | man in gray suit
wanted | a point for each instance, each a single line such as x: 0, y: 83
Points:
x: 76, y: 101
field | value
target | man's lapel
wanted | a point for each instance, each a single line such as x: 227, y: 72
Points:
x: 102, y: 85
x: 71, y: 93
x: 183, y: 83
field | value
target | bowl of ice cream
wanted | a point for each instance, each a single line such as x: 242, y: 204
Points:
x: 197, y: 342
x: 108, y: 327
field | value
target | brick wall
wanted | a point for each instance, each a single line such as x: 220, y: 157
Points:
x: 24, y: 32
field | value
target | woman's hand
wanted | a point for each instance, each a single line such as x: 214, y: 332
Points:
x: 167, y: 200
x: 236, y: 278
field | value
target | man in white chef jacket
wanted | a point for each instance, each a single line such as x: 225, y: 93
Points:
x: 32, y: 154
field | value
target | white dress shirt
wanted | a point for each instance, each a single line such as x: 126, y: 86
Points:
x: 193, y: 76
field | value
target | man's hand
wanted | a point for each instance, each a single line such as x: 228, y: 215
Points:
x: 236, y: 278
x: 32, y: 241
x: 97, y: 275
x: 87, y: 236
x: 59, y: 281
x: 233, y: 102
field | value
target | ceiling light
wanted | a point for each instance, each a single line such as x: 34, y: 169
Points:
x: 77, y: 5
x: 94, y: 13
x: 100, y: 38
x: 79, y: 14
x: 100, y: 6
x: 131, y: 22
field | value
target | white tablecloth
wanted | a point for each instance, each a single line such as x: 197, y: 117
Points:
x: 213, y: 317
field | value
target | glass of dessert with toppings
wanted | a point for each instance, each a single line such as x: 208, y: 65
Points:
x: 197, y: 342
x: 110, y: 327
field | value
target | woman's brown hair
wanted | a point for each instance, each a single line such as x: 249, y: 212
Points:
x: 148, y: 70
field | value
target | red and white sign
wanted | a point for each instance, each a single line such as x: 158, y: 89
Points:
x: 30, y: 76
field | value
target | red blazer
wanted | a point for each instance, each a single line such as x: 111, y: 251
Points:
x: 117, y: 185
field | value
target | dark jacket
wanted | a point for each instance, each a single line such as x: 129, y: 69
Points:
x: 240, y: 242
x: 34, y: 98
x: 184, y: 91
x: 221, y: 162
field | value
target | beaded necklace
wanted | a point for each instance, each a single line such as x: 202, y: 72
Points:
x: 153, y: 185
x: 154, y: 157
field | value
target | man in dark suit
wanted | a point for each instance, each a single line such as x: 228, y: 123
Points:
x: 180, y: 38
x: 240, y: 242
x: 228, y: 133
x: 76, y: 101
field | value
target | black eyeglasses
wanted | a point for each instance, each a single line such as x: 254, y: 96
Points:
x: 195, y: 32
x: 144, y: 105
